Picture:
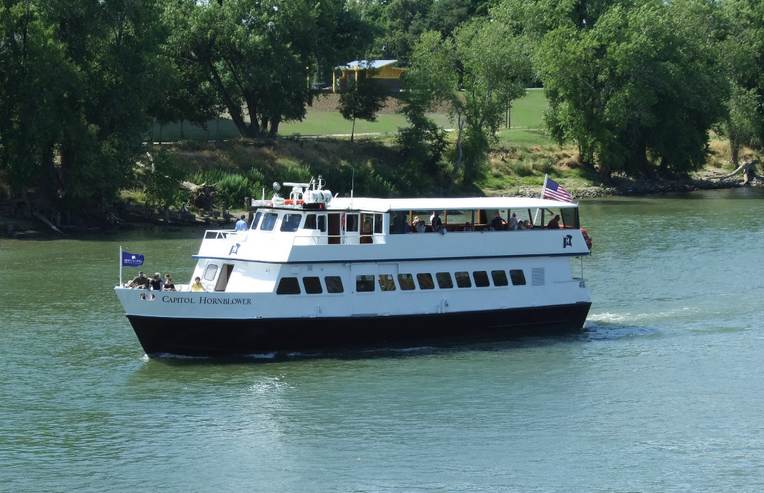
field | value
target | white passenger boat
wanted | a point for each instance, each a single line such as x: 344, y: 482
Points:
x: 316, y: 272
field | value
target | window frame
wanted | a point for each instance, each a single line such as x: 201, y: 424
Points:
x: 409, y: 277
x: 430, y: 283
x: 522, y: 277
x: 365, y: 280
x: 285, y: 221
x: 282, y: 289
x: 441, y: 284
x: 312, y: 290
x: 331, y: 287
x: 465, y: 276
x: 484, y: 281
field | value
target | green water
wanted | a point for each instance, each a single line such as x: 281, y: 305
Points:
x: 663, y: 391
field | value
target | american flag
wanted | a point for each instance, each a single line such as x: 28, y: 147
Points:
x: 554, y: 191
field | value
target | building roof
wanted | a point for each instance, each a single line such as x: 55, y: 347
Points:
x: 444, y: 204
x: 367, y: 64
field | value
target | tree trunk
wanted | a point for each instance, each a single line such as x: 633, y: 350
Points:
x: 459, y: 127
x: 734, y: 150
x: 352, y: 130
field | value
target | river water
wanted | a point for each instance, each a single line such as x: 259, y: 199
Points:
x: 662, y: 391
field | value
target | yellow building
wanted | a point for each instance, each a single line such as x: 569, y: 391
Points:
x: 382, y: 71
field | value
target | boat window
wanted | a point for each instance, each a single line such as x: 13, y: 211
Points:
x: 481, y: 279
x: 378, y: 223
x: 288, y: 285
x: 256, y: 220
x: 444, y: 280
x: 517, y: 276
x: 499, y: 277
x: 398, y: 223
x: 210, y: 271
x: 333, y: 284
x: 425, y: 280
x: 310, y: 222
x: 322, y: 223
x: 269, y: 221
x: 537, y: 276
x: 386, y: 282
x: 406, y: 282
x: 312, y: 285
x: 351, y: 222
x: 463, y: 279
x: 364, y: 283
x: 569, y: 218
x: 291, y: 222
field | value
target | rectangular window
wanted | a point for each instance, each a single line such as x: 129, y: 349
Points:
x: 322, y: 223
x: 386, y: 282
x: 364, y: 283
x: 481, y: 279
x: 256, y: 221
x: 425, y: 280
x: 351, y: 222
x: 517, y: 276
x: 444, y: 280
x: 333, y: 284
x: 210, y: 271
x: 269, y: 221
x: 288, y: 285
x: 463, y: 279
x: 312, y: 285
x: 499, y: 277
x: 291, y: 222
x: 310, y: 222
x: 406, y: 282
x: 378, y: 223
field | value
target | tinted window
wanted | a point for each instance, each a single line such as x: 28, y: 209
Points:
x: 386, y: 282
x: 499, y: 277
x: 288, y: 285
x: 256, y: 221
x: 310, y: 222
x: 517, y: 276
x: 481, y: 278
x: 291, y: 222
x: 269, y: 221
x: 463, y: 279
x: 312, y: 285
x: 364, y: 283
x: 425, y: 281
x: 333, y: 284
x: 406, y: 282
x: 210, y: 271
x: 378, y: 223
x: 322, y: 223
x: 351, y: 222
x: 444, y: 280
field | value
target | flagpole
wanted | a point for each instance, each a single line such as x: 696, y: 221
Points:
x: 541, y: 196
x: 120, y: 266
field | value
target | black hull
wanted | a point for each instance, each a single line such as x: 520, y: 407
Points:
x: 238, y: 337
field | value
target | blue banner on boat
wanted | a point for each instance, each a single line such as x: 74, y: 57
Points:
x: 132, y: 259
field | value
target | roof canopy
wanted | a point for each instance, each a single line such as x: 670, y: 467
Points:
x: 445, y: 204
x: 367, y: 64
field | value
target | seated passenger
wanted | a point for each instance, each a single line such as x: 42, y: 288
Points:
x: 169, y: 285
x: 513, y: 224
x: 435, y: 222
x: 156, y: 282
x: 498, y: 223
x: 419, y: 225
x: 141, y: 281
x: 554, y: 223
x: 197, y: 285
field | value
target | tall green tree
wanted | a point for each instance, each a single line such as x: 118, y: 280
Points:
x: 258, y: 55
x: 363, y: 99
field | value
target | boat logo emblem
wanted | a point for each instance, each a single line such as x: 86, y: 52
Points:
x: 567, y: 241
x: 234, y: 249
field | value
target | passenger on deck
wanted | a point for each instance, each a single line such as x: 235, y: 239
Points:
x: 168, y: 284
x: 197, y: 285
x: 241, y: 224
x: 419, y: 225
x: 435, y: 222
x: 513, y: 224
x: 498, y: 223
x: 156, y: 282
x: 141, y: 281
x: 554, y: 223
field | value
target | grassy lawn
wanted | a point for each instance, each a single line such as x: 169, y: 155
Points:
x: 526, y: 121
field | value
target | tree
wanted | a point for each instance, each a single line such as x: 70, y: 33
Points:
x: 258, y: 55
x: 363, y: 99
x: 635, y: 89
